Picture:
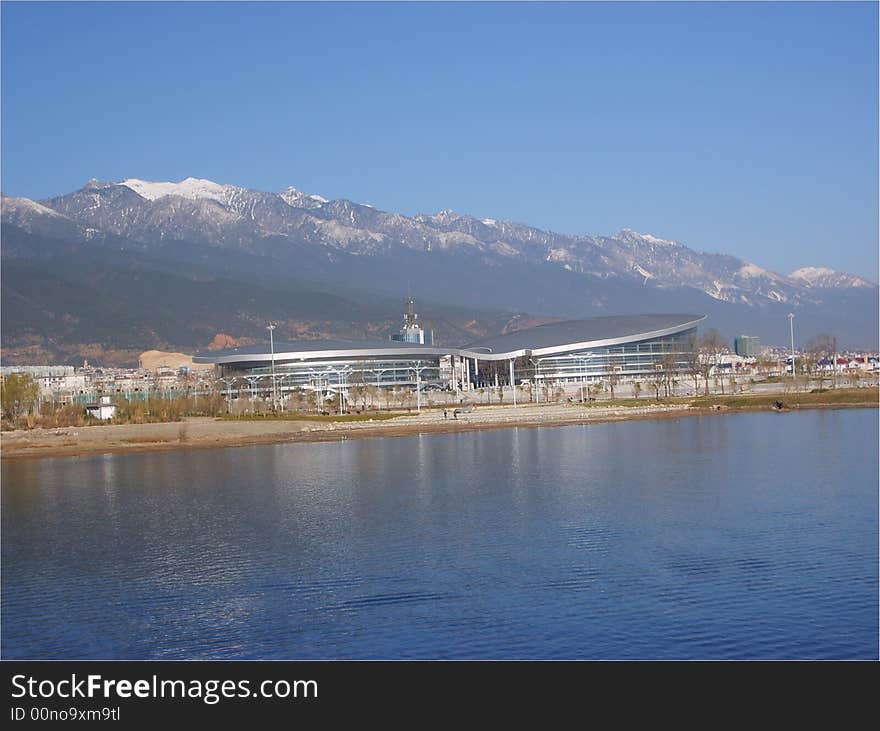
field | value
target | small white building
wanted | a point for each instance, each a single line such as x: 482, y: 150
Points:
x: 102, y: 410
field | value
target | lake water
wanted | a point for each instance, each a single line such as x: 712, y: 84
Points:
x: 736, y: 536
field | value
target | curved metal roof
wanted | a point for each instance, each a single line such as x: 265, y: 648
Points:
x: 322, y: 349
x: 554, y: 337
x: 595, y: 332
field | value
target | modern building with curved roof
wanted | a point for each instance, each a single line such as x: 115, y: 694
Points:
x: 623, y: 347
x: 595, y: 332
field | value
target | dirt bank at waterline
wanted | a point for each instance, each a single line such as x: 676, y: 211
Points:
x: 201, y: 433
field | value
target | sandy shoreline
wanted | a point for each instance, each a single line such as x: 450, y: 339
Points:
x: 206, y: 433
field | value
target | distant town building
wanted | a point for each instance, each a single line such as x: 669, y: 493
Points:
x: 412, y: 332
x: 39, y: 371
x: 69, y: 384
x: 747, y: 346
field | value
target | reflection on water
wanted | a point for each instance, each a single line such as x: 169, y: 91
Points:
x: 748, y: 535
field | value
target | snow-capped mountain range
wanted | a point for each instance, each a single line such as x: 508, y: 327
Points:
x: 448, y: 256
x: 231, y: 216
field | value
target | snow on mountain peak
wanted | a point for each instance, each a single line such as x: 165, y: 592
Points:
x: 825, y: 277
x: 192, y: 188
x: 20, y: 205
x: 298, y: 199
x: 750, y: 270
x: 811, y: 273
x: 629, y: 234
x: 447, y: 215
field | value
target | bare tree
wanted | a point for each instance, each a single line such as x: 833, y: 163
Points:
x: 853, y: 376
x: 764, y: 365
x: 357, y: 385
x: 669, y: 369
x: 657, y: 379
x: 807, y: 363
x: 714, y: 348
x: 692, y: 362
x: 559, y: 392
x: 404, y: 396
x: 821, y: 348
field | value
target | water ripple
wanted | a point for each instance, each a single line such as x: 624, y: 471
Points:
x: 626, y: 540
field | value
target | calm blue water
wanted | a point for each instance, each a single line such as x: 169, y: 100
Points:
x: 737, y: 536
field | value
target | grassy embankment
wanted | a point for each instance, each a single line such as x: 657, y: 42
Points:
x: 825, y: 397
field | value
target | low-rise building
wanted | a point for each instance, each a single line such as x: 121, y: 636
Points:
x: 103, y: 409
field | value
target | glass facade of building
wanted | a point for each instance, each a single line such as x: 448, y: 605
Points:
x: 342, y: 373
x: 626, y: 361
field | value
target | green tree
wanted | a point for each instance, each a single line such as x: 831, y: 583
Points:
x: 19, y: 394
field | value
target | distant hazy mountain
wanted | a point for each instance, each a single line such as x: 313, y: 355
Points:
x: 450, y: 258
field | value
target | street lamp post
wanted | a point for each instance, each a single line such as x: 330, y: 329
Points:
x: 513, y: 381
x: 791, y: 329
x: 380, y: 372
x: 535, y: 381
x: 271, y: 327
x: 252, y: 382
x: 229, y: 383
x: 341, y: 381
x: 583, y: 375
x: 418, y: 368
x: 582, y: 364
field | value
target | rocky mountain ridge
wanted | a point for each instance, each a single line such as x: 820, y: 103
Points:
x: 254, y: 246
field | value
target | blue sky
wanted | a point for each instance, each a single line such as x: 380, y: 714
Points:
x: 745, y: 128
